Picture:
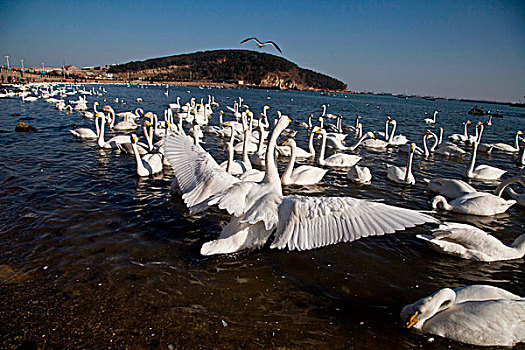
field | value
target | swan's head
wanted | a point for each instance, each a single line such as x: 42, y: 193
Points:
x: 134, y: 138
x: 438, y: 200
x: 316, y: 129
x: 221, y: 112
x: 415, y: 315
x: 290, y: 142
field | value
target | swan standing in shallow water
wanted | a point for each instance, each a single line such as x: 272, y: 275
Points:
x: 475, y: 203
x: 478, y: 315
x: 259, y: 209
x: 469, y: 242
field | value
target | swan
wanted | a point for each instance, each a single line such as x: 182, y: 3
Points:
x: 450, y: 150
x: 451, y: 188
x: 520, y: 198
x: 235, y: 167
x: 303, y: 175
x: 128, y: 124
x: 114, y: 141
x: 431, y: 120
x: 89, y: 114
x: 520, y: 161
x: 359, y: 175
x: 461, y: 137
x: 398, y: 139
x: 483, y: 171
x: 175, y: 105
x: 403, y: 174
x: 86, y: 133
x: 149, y: 164
x: 374, y: 143
x: 259, y: 209
x: 505, y: 148
x: 304, y: 124
x: 474, y: 203
x: 476, y: 314
x: 336, y: 160
x: 300, y: 153
x: 257, y: 158
x: 469, y: 242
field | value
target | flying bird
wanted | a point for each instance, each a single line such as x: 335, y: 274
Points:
x: 261, y: 44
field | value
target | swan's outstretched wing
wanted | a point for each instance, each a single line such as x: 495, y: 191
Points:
x: 198, y: 174
x: 312, y: 222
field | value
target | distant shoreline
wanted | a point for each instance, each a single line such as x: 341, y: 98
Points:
x: 237, y: 86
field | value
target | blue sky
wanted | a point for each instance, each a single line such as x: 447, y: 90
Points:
x: 464, y: 49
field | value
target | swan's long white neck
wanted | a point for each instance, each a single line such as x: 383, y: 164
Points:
x: 361, y: 139
x: 408, y: 171
x: 470, y: 169
x: 311, y: 148
x: 386, y: 129
x: 323, y: 148
x: 516, y: 140
x: 394, y: 125
x: 100, y: 140
x: 285, y: 177
x: 261, y: 137
x: 499, y: 190
x: 425, y: 147
x: 271, y: 175
x: 140, y: 167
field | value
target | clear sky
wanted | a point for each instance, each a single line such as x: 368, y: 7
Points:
x: 464, y: 49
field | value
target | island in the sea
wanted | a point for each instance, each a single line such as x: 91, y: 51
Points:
x: 241, y: 67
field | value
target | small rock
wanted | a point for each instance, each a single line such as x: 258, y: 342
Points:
x: 224, y: 323
x: 171, y: 346
x: 24, y: 127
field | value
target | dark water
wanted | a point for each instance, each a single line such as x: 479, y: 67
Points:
x: 91, y: 256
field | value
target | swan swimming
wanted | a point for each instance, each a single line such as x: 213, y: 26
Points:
x: 477, y: 314
x: 470, y: 242
x: 259, y: 209
x: 475, y: 203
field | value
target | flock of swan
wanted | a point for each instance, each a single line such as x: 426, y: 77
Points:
x: 250, y: 190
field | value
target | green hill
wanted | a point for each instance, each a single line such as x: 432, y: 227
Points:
x: 251, y: 67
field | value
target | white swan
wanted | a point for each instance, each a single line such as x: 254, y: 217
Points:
x: 235, y: 167
x: 520, y: 198
x: 304, y: 175
x: 398, y: 139
x: 483, y: 171
x: 359, y: 175
x: 259, y: 209
x: 336, y: 160
x: 127, y: 124
x: 114, y: 141
x: 505, y: 148
x: 300, y: 153
x: 86, y: 133
x: 374, y: 143
x: 469, y: 242
x: 461, y: 137
x: 149, y: 164
x: 450, y: 188
x: 474, y: 203
x: 403, y: 175
x: 431, y: 120
x: 478, y: 315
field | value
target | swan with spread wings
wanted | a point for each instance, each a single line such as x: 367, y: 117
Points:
x: 259, y: 209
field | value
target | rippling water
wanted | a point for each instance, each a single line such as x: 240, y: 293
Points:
x: 93, y: 256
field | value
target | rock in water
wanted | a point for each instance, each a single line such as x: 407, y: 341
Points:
x: 24, y: 127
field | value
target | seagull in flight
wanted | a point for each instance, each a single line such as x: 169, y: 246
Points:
x: 261, y: 44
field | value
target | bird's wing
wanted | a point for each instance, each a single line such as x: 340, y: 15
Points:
x: 198, y: 174
x: 275, y: 45
x: 253, y: 38
x: 312, y: 222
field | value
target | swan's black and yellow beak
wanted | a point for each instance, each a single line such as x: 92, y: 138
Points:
x: 413, y: 320
x: 284, y: 143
